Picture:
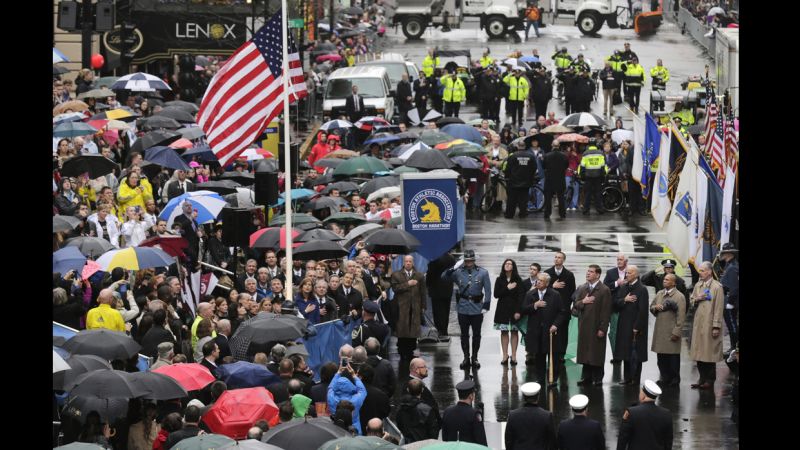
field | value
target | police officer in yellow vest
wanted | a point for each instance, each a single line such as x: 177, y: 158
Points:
x: 486, y: 60
x: 592, y: 171
x: 430, y: 63
x: 616, y: 61
x: 634, y: 78
x: 562, y: 59
x: 454, y: 93
x: 518, y: 90
x: 660, y: 76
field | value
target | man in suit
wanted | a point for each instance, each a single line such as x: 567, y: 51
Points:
x: 348, y: 298
x: 223, y: 333
x: 580, y: 432
x: 190, y: 230
x: 530, y: 426
x: 647, y: 425
x: 563, y: 281
x: 376, y: 404
x: 614, y: 279
x: 555, y: 165
x: 249, y: 272
x: 404, y: 97
x: 354, y: 106
x: 385, y: 378
x: 179, y: 186
x: 593, y: 308
x: 547, y: 315
x: 191, y: 420
x: 210, y: 356
x: 530, y: 283
x: 157, y: 334
x: 462, y: 422
x: 441, y: 292
x: 373, y: 291
x: 632, y: 302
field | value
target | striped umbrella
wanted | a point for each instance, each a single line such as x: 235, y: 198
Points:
x: 335, y: 125
x: 272, y: 238
x: 583, y: 120
x: 208, y: 205
x: 369, y: 122
x: 134, y: 258
x: 140, y: 82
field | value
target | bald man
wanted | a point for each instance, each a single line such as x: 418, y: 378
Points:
x: 633, y: 304
x: 104, y: 316
x: 205, y: 310
x: 614, y: 279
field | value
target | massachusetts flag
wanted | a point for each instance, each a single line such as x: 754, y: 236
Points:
x: 246, y: 94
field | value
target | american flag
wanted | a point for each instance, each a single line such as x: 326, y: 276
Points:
x: 715, y: 128
x: 731, y: 146
x: 247, y: 93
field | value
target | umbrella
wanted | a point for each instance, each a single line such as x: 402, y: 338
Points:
x: 221, y: 187
x: 377, y: 183
x: 297, y: 219
x: 243, y: 178
x: 94, y: 165
x: 243, y: 374
x: 255, y: 154
x: 448, y: 120
x: 204, y: 442
x: 324, y: 179
x: 90, y: 269
x: 104, y: 343
x: 367, y: 123
x: 135, y: 258
x: 477, y: 122
x: 381, y: 138
x: 140, y: 82
x: 154, y: 138
x: 73, y: 129
x: 77, y: 365
x: 359, y: 166
x: 243, y: 198
x: 342, y: 153
x: 250, y: 444
x: 529, y: 59
x: 72, y: 105
x: 329, y: 57
x: 620, y: 135
x: 97, y: 93
x: 346, y: 217
x: 322, y: 203
x: 90, y: 246
x: 414, y: 116
x: 320, y: 250
x: 572, y: 137
x: 342, y: 186
x: 208, y: 205
x: 359, y: 231
x: 201, y: 151
x: 405, y: 169
x: 191, y: 133
x: 59, y: 365
x: 466, y: 132
x: 300, y: 194
x: 83, y: 445
x: 419, y: 145
x: 172, y: 245
x: 392, y: 240
x: 106, y: 383
x: 191, y: 376
x: 179, y: 114
x: 59, y: 57
x: 335, y: 124
x: 266, y: 165
x: 158, y: 386
x: 182, y: 143
x: 429, y: 159
x: 236, y: 410
x: 466, y: 162
x: 329, y: 162
x: 65, y: 223
x: 388, y: 192
x: 117, y: 114
x: 433, y: 137
x: 117, y: 125
x: 319, y: 234
x: 58, y: 341
x: 308, y: 433
x: 583, y: 120
x: 68, y: 117
x: 263, y: 328
x: 408, y: 135
x: 166, y: 157
x: 191, y: 108
x: 272, y: 238
x: 360, y: 443
x: 353, y: 11
x: 154, y: 122
x: 68, y: 258
x: 59, y: 70
x: 556, y: 129
x: 454, y: 445
x: 110, y: 410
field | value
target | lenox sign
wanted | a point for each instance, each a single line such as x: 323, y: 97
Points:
x: 190, y: 30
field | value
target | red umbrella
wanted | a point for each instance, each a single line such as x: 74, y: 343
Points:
x: 191, y: 376
x: 268, y: 238
x: 173, y: 246
x: 236, y: 410
x: 330, y: 57
x: 99, y: 124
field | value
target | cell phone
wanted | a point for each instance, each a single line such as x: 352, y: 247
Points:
x: 345, y: 361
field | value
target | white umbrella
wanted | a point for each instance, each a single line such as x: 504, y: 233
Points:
x: 714, y: 11
x: 59, y: 364
x: 388, y: 192
x: 620, y: 135
x: 410, y: 151
x: 245, y: 197
x: 140, y: 82
x: 413, y: 116
x: 58, y: 56
x: 207, y: 203
x: 365, y: 229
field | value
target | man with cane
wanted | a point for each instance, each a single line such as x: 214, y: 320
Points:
x: 547, y: 314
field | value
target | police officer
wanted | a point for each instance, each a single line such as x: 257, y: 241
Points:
x: 530, y: 426
x: 454, y: 93
x: 580, y: 432
x: 541, y: 91
x: 570, y: 79
x: 436, y: 89
x: 520, y: 170
x: 489, y: 92
x: 646, y: 425
x: 518, y: 88
x: 616, y: 62
x: 486, y: 60
x: 592, y: 170
x: 370, y: 327
x: 657, y: 279
x: 473, y: 294
x: 584, y: 92
x: 562, y: 59
x: 430, y: 63
x: 660, y: 76
x: 462, y: 422
x: 580, y: 65
x: 730, y: 284
x: 634, y: 78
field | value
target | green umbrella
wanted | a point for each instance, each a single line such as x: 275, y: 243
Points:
x: 360, y: 165
x: 346, y: 217
x: 452, y: 446
x: 359, y: 443
x: 204, y: 442
x: 297, y: 219
x: 433, y: 137
x: 406, y: 169
x: 469, y: 149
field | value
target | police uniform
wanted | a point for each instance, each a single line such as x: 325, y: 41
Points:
x: 429, y: 64
x: 634, y: 77
x: 370, y: 328
x: 580, y: 432
x: 518, y: 90
x: 486, y: 61
x: 592, y: 170
x: 520, y: 170
x: 530, y: 426
x: 730, y: 284
x: 647, y: 425
x: 454, y: 93
x: 660, y: 75
x: 461, y: 422
x: 474, y: 294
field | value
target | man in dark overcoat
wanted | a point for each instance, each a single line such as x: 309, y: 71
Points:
x: 632, y: 303
x: 593, y: 308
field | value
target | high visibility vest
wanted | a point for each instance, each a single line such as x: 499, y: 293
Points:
x: 563, y: 60
x: 429, y: 64
x: 486, y: 61
x: 615, y: 62
x: 518, y: 88
x: 454, y: 91
x: 593, y: 164
x: 635, y: 75
x: 660, y: 72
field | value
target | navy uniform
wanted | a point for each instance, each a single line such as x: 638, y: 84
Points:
x: 730, y: 284
x: 462, y: 422
x: 646, y: 425
x: 474, y: 294
x: 370, y: 328
x: 530, y: 426
x: 580, y: 432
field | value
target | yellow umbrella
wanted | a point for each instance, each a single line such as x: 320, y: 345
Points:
x: 134, y: 258
x: 117, y: 114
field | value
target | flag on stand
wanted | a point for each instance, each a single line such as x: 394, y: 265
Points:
x: 731, y: 147
x: 660, y: 205
x: 652, y: 142
x: 727, y: 207
x: 677, y: 159
x: 638, y: 145
x: 681, y: 226
x: 715, y: 126
x: 247, y: 93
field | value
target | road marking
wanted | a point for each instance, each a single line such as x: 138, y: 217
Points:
x: 511, y: 243
x: 625, y: 242
x: 569, y: 242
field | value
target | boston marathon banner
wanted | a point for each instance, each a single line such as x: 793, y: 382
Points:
x: 431, y: 210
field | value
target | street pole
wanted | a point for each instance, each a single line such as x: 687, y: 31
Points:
x: 287, y: 179
x: 331, y: 18
x: 86, y: 35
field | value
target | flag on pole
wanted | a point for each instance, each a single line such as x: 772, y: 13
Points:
x: 247, y: 93
x: 652, y: 142
x: 677, y: 158
x: 680, y: 228
x: 731, y: 146
x: 715, y: 127
x: 727, y: 206
x: 700, y: 219
x: 660, y: 205
x: 638, y: 145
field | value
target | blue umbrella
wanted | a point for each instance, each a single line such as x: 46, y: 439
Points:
x: 243, y: 374
x: 466, y: 162
x: 68, y: 258
x: 381, y: 138
x: 73, y: 129
x: 68, y: 117
x: 208, y: 205
x: 165, y: 157
x: 297, y: 194
x: 202, y: 151
x: 529, y: 59
x: 466, y: 132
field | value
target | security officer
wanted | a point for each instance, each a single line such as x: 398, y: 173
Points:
x: 570, y: 78
x: 634, y: 78
x: 370, y: 327
x: 593, y: 170
x: 474, y: 294
x: 687, y: 118
x: 580, y: 432
x: 430, y: 63
x: 678, y: 121
x: 541, y: 91
x: 656, y: 280
x: 616, y: 63
x: 462, y: 422
x: 486, y: 60
x: 520, y: 170
x: 647, y: 425
x: 730, y: 284
x: 660, y: 76
x: 489, y: 92
x: 580, y: 65
x: 584, y: 92
x: 518, y: 88
x: 562, y: 59
x: 530, y: 426
x: 454, y: 93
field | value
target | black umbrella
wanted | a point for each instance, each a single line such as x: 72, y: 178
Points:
x: 392, y: 240
x: 154, y: 138
x: 319, y: 234
x: 320, y: 250
x: 110, y: 410
x: 408, y: 135
x: 221, y: 187
x: 429, y: 159
x: 106, y: 383
x: 324, y: 179
x: 266, y: 165
x: 378, y: 183
x: 346, y: 217
x: 466, y: 162
x: 191, y: 108
x: 80, y: 364
x: 95, y: 165
x: 179, y: 114
x: 329, y: 162
x: 243, y: 178
x: 447, y: 121
x: 58, y: 341
x: 158, y: 386
x: 308, y: 226
x: 192, y: 133
x: 321, y: 203
x: 58, y: 70
x: 309, y: 433
x: 266, y: 327
x: 65, y: 223
x: 104, y: 343
x: 250, y: 444
x: 90, y: 246
x: 342, y: 186
x: 155, y: 122
x: 353, y: 11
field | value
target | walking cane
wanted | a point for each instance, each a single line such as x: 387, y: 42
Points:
x: 550, y: 375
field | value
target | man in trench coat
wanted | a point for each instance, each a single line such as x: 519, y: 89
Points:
x: 669, y: 307
x: 593, y: 308
x: 632, y: 303
x: 708, y: 297
x: 411, y: 296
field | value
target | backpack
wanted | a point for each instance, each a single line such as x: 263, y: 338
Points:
x: 532, y: 13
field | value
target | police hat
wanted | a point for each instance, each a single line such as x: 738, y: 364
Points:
x: 371, y: 307
x: 466, y: 386
x: 651, y: 389
x: 469, y: 255
x: 578, y: 402
x: 729, y: 248
x: 530, y: 389
x: 668, y: 263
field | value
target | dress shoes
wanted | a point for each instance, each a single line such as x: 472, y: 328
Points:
x: 625, y: 382
x: 475, y: 364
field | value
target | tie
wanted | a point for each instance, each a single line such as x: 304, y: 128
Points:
x: 183, y: 190
x: 408, y: 274
x: 541, y: 296
x: 355, y: 101
x: 347, y: 292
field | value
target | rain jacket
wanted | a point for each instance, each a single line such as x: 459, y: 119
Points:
x: 342, y: 389
x: 300, y: 403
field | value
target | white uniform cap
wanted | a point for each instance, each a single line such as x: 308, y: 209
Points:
x: 651, y: 389
x: 530, y: 389
x: 579, y: 402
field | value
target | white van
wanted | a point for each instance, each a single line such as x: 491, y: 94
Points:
x: 394, y: 63
x: 373, y: 85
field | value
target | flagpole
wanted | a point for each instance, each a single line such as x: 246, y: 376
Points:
x: 287, y: 177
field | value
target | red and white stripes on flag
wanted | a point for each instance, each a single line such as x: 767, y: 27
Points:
x: 731, y: 147
x: 247, y: 93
